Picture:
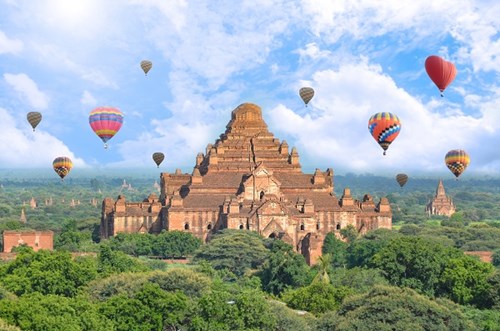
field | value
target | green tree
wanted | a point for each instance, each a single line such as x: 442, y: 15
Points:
x: 236, y: 251
x: 361, y: 251
x: 238, y: 310
x: 465, y: 280
x: 37, y: 312
x: 150, y: 308
x: 337, y: 250
x: 46, y: 272
x: 390, y: 308
x: 359, y: 279
x: 316, y: 298
x: 324, y: 266
x: 414, y: 262
x: 349, y: 233
x: 172, y: 244
x: 110, y: 262
x: 284, y: 269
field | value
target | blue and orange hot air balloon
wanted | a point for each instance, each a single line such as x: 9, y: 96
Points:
x: 106, y: 122
x: 384, y: 128
x: 62, y: 166
x: 457, y: 161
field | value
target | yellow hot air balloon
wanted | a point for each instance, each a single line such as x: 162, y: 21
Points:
x: 158, y: 157
x: 146, y: 65
x: 62, y: 166
x: 457, y: 161
x: 34, y: 118
x: 401, y: 179
x: 306, y: 93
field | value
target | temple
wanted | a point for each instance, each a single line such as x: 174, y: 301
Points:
x: 251, y: 181
x: 440, y: 204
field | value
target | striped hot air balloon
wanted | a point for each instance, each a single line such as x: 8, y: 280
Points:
x: 34, y: 118
x: 306, y: 93
x: 401, y: 179
x: 146, y: 66
x: 62, y: 166
x: 106, y: 122
x: 457, y: 161
x: 384, y: 127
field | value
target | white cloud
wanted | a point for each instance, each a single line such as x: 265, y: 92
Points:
x: 88, y: 99
x: 334, y: 131
x: 23, y: 148
x: 8, y: 45
x: 28, y: 90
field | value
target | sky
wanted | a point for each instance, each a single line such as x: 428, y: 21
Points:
x: 65, y: 58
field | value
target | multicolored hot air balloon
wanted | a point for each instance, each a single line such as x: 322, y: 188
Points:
x: 106, y: 122
x: 34, y: 118
x: 158, y: 157
x: 384, y: 127
x: 401, y: 179
x: 440, y: 71
x: 146, y: 66
x: 457, y: 161
x: 62, y: 166
x: 306, y: 93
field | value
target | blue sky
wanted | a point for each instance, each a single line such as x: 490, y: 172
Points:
x: 64, y: 58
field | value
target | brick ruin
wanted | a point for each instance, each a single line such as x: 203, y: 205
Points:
x: 248, y: 180
x: 35, y: 239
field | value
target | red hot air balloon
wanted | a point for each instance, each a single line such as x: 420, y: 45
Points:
x: 441, y: 72
x: 106, y: 122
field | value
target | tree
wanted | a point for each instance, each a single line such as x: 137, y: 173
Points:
x: 46, y: 272
x: 236, y: 309
x: 316, y: 298
x: 391, y: 308
x: 337, y: 250
x: 150, y: 308
x: 361, y: 251
x: 110, y: 262
x: 465, y: 280
x: 349, y: 233
x: 360, y: 280
x: 172, y: 244
x: 284, y: 269
x: 324, y: 266
x: 414, y: 262
x: 235, y: 250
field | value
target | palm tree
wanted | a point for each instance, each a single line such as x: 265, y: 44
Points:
x: 324, y: 263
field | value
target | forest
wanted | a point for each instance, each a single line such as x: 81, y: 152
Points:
x: 414, y: 276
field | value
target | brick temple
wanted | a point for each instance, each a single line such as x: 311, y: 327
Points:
x: 251, y: 181
x: 440, y: 204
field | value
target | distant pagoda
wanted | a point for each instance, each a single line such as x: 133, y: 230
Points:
x: 440, y: 203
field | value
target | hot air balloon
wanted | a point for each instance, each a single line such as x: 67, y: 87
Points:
x: 146, y: 66
x: 384, y: 128
x: 34, y: 118
x: 158, y: 157
x: 306, y: 93
x: 457, y: 161
x: 401, y: 179
x: 441, y: 72
x: 62, y: 166
x: 106, y: 122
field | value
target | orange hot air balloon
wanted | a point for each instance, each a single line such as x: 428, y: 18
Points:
x: 401, y: 179
x: 306, y: 93
x: 34, y: 118
x: 440, y: 71
x: 158, y: 157
x: 105, y: 122
x: 62, y: 166
x: 384, y: 128
x: 457, y: 161
x: 146, y: 66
